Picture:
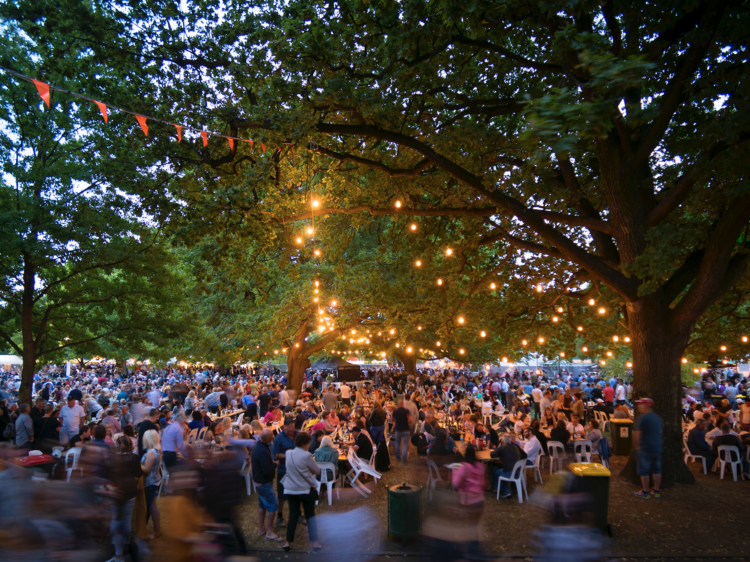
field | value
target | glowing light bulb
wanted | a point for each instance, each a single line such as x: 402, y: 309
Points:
x: 584, y: 349
x: 560, y: 309
x: 316, y: 291
x: 504, y: 359
x: 439, y: 281
x: 541, y: 340
x: 299, y: 240
x: 580, y: 328
x: 696, y: 371
x: 723, y: 347
x: 555, y: 318
x: 448, y: 252
x: 414, y: 226
x: 492, y: 286
x: 615, y: 338
x: 393, y: 332
x: 628, y: 364
x: 419, y: 263
x: 603, y: 362
x: 602, y: 311
x: 316, y: 203
x: 562, y: 354
x: 609, y: 354
x: 684, y: 360
x: 460, y: 319
x: 333, y: 303
x: 296, y: 345
x: 419, y: 327
x: 437, y: 343
x: 539, y: 288
x: 397, y: 345
x: 317, y: 252
x: 309, y: 230
x: 276, y: 351
x: 398, y: 204
x: 524, y: 342
x: 592, y: 302
x: 626, y: 339
x: 482, y: 334
x: 725, y: 362
x: 744, y: 339
x: 317, y: 283
x: 315, y: 299
x: 461, y: 351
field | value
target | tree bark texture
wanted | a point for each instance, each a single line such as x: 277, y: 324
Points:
x: 27, y: 332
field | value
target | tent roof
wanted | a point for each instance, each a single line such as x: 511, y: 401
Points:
x: 331, y: 363
x: 10, y: 360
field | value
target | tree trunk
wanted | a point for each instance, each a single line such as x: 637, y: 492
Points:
x: 27, y: 333
x: 296, y: 364
x: 657, y: 354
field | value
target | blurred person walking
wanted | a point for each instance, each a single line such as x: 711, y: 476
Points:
x: 151, y: 466
x: 123, y: 471
x: 470, y: 482
x: 300, y: 488
x: 264, y: 470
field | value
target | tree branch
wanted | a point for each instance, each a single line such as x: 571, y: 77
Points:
x: 13, y: 344
x: 405, y: 211
x: 393, y: 172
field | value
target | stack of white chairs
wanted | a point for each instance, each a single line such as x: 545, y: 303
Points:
x: 360, y: 467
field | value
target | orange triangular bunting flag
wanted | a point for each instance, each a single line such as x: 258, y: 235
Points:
x: 179, y: 132
x: 251, y: 144
x: 43, y: 90
x: 231, y: 144
x: 142, y: 121
x: 204, y: 134
x: 263, y: 146
x: 102, y: 108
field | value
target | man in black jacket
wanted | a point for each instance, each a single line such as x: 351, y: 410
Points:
x: 264, y: 471
x: 509, y: 454
x: 728, y: 438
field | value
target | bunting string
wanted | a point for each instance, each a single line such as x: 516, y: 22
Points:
x: 45, y: 90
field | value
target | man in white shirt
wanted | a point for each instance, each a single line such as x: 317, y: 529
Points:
x: 545, y: 402
x: 283, y: 399
x: 532, y: 447
x: 536, y: 395
x: 72, y: 416
x: 620, y: 395
x: 574, y: 427
x: 346, y: 394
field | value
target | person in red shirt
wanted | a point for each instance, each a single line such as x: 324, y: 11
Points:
x: 609, y: 394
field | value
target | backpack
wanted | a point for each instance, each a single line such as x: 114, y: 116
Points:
x: 420, y: 442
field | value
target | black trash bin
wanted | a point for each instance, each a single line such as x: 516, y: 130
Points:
x: 622, y: 436
x: 404, y: 511
x: 593, y: 479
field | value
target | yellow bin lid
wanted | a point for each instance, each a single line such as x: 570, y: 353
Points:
x: 589, y: 469
x: 613, y: 420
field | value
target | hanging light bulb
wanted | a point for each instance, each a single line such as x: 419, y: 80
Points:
x: 296, y: 345
x: 316, y: 203
x: 541, y: 340
x: 460, y: 319
x: 696, y: 371
x: 723, y: 347
x: 684, y: 360
x: 419, y: 263
x: 276, y: 351
x: 439, y: 281
x: 615, y: 338
x: 393, y: 332
x: 560, y: 309
x: 562, y: 354
x: 628, y: 364
x: 744, y: 339
x: 584, y: 349
x: 309, y: 230
x: 539, y: 288
x: 524, y: 342
x: 580, y: 328
x: 397, y: 345
x: 461, y: 351
x: 299, y: 240
x: 492, y: 286
x: 448, y: 252
x: 437, y: 343
x: 626, y: 339
x: 504, y: 360
x: 413, y: 226
x: 592, y: 302
x: 602, y: 311
x: 398, y: 204
x: 555, y: 318
x: 316, y: 291
x: 333, y: 303
x: 317, y: 283
x: 482, y: 334
x: 603, y: 362
x: 317, y: 252
x: 315, y: 299
x: 609, y: 354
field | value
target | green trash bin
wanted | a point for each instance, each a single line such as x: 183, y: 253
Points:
x: 593, y: 478
x: 404, y: 511
x: 621, y: 432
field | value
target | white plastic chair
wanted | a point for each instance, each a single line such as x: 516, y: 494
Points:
x: 727, y: 455
x: 329, y: 484
x: 536, y: 469
x: 238, y: 423
x: 582, y: 449
x: 556, y: 455
x: 360, y: 467
x: 433, y: 476
x: 164, y: 480
x: 192, y: 436
x: 247, y: 473
x: 73, y: 454
x: 689, y: 455
x: 57, y: 452
x: 202, y: 433
x: 517, y: 476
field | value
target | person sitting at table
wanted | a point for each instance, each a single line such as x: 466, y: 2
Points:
x: 531, y: 446
x: 730, y: 438
x: 574, y: 427
x: 327, y: 453
x: 206, y: 418
x: 521, y: 423
x: 536, y: 429
x: 362, y: 444
x: 560, y: 433
x: 509, y: 454
x: 698, y: 446
x: 594, y: 435
x: 316, y: 438
x: 322, y: 424
x: 197, y: 421
x: 442, y: 444
x: 601, y: 406
x: 272, y: 416
x: 577, y: 408
x: 548, y: 418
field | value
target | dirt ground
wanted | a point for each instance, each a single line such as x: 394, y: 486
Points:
x: 704, y: 519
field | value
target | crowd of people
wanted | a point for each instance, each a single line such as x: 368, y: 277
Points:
x: 143, y: 430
